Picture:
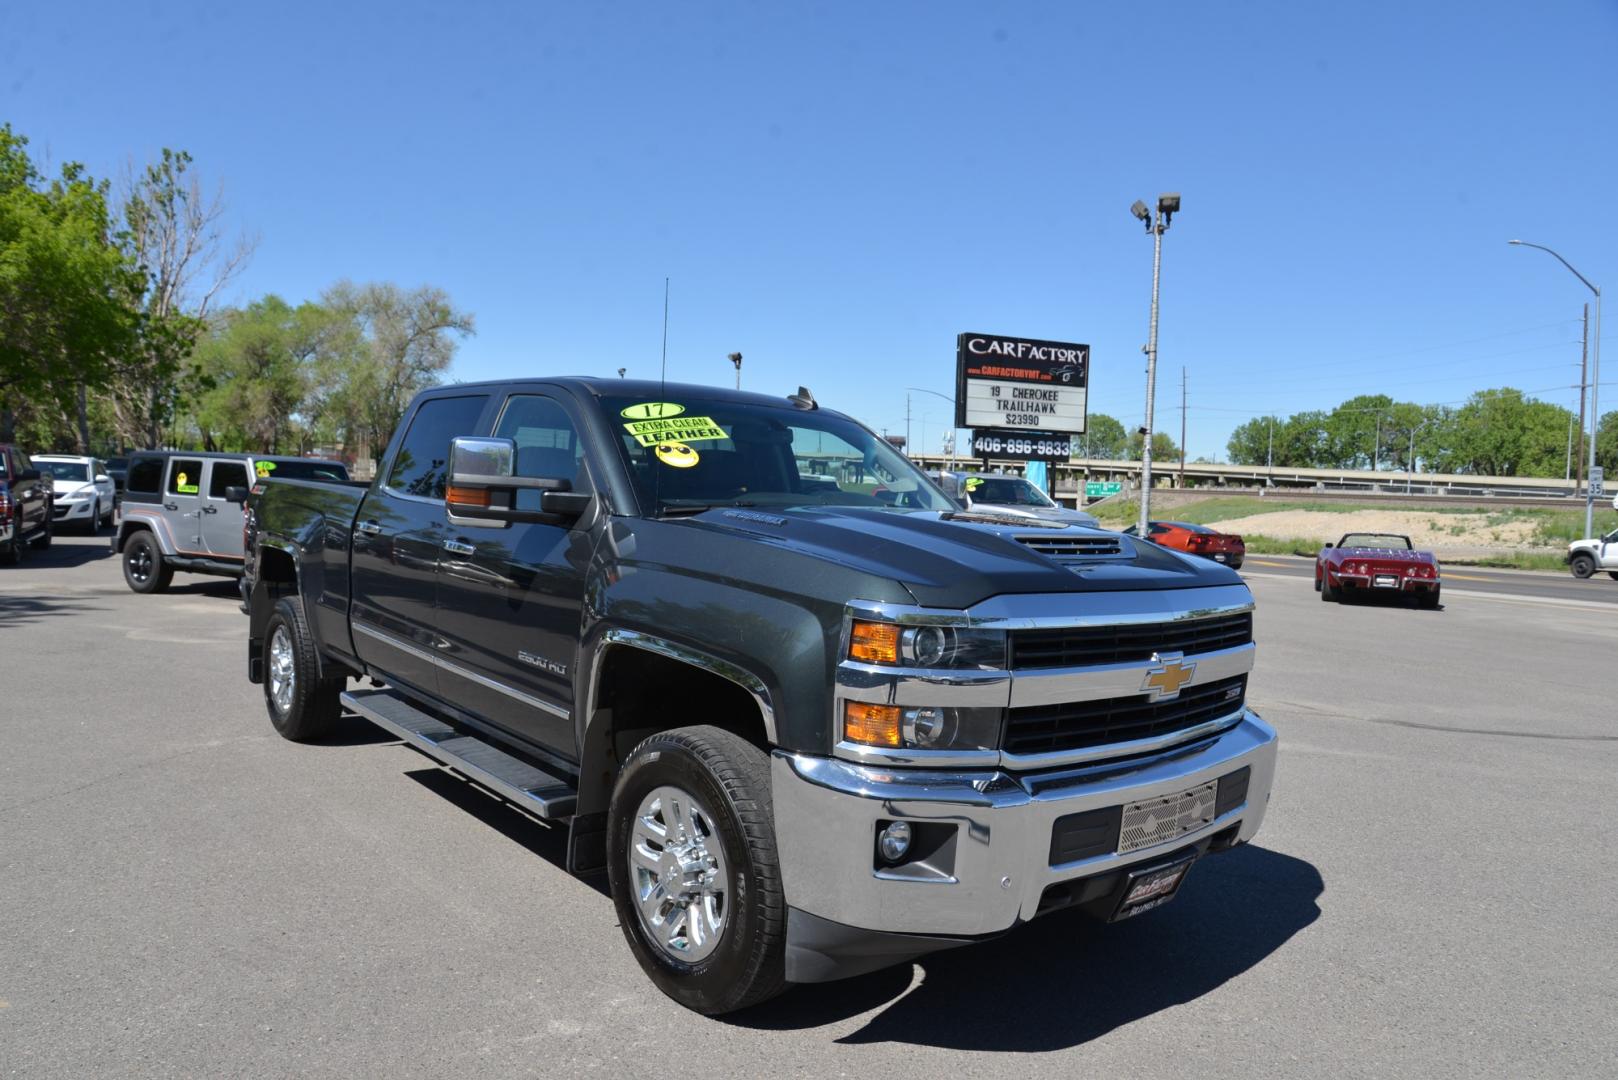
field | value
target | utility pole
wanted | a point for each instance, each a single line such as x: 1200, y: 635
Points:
x: 1269, y: 457
x: 907, y: 423
x: 1167, y: 206
x: 1182, y: 426
x: 1376, y: 446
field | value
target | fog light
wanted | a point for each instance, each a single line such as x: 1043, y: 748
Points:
x: 895, y: 840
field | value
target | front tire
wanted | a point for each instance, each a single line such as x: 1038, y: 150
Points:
x: 1582, y: 565
x: 42, y: 542
x: 144, y: 568
x: 302, y: 705
x: 1328, y: 593
x: 694, y: 869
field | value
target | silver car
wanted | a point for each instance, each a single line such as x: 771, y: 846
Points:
x: 1013, y: 495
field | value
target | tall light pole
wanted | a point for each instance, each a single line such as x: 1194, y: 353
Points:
x: 1595, y: 387
x: 1168, y: 205
x: 736, y: 358
x: 936, y: 394
x: 1410, y: 464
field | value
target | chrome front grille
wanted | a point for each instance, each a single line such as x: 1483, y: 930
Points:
x: 1078, y: 725
x: 1078, y: 646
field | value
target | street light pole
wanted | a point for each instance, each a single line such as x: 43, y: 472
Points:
x: 1595, y: 387
x: 1167, y: 206
x: 936, y: 394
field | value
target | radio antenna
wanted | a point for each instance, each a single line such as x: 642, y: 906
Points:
x: 665, y: 375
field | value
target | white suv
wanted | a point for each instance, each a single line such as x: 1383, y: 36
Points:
x: 84, y: 491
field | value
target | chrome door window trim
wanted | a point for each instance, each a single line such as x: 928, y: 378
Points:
x: 456, y: 669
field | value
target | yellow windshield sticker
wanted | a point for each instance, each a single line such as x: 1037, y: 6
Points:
x: 973, y: 483
x: 652, y: 410
x: 677, y: 429
x: 677, y: 454
x: 264, y: 468
x: 182, y: 487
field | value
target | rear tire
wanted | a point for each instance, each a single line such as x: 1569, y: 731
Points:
x: 11, y: 550
x: 1428, y: 601
x: 1613, y: 574
x: 144, y: 568
x: 302, y: 705
x: 1582, y: 565
x: 721, y: 854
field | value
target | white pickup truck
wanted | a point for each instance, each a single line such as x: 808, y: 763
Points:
x: 1586, y: 558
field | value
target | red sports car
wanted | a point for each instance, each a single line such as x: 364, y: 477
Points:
x: 1377, y: 563
x: 1227, y: 548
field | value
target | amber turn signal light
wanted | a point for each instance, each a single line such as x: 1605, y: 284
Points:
x: 461, y: 496
x: 875, y: 643
x: 873, y: 725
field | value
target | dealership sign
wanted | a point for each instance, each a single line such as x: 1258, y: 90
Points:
x: 1010, y: 388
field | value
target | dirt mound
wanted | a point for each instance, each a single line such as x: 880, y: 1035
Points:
x: 1442, y: 533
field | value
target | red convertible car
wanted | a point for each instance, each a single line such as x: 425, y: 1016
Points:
x: 1377, y: 563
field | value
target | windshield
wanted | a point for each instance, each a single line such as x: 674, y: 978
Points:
x: 1386, y: 541
x: 1005, y: 491
x: 301, y: 470
x: 64, y: 470
x: 695, y: 453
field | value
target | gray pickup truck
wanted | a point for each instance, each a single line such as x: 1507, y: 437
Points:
x: 182, y: 510
x: 810, y: 715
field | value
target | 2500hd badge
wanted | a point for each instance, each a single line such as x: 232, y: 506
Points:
x: 808, y: 715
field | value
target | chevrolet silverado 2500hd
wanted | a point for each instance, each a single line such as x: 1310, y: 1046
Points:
x: 810, y: 715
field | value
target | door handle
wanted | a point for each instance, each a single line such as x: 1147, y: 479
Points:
x: 459, y: 548
x: 370, y: 527
x: 171, y: 506
x: 210, y: 509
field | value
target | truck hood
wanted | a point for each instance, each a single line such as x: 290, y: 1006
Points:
x: 955, y: 559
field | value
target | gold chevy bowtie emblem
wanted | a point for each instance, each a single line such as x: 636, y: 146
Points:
x: 1164, y: 682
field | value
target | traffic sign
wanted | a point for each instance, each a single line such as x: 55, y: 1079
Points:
x: 1597, y: 482
x: 1094, y: 489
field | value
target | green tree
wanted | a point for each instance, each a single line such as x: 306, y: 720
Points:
x: 389, y: 343
x: 1163, y: 447
x: 1505, y: 433
x: 65, y: 294
x: 1607, y: 447
x: 1104, y: 437
x: 259, y: 367
x: 172, y: 232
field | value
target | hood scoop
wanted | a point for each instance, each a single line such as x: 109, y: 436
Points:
x: 1075, y: 546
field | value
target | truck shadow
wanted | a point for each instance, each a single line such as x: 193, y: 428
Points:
x: 547, y: 841
x: 1064, y: 980
x: 17, y: 610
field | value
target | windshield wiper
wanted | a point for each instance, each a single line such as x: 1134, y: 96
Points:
x: 686, y: 510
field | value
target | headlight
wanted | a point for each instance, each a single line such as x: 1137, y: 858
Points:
x: 927, y: 646
x: 924, y: 727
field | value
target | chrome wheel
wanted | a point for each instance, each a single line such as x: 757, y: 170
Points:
x: 282, y: 674
x: 140, y: 563
x: 677, y: 865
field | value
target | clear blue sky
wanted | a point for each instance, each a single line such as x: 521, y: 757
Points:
x: 837, y: 189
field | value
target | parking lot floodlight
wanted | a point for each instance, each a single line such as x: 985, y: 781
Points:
x: 1169, y: 202
x: 1140, y: 211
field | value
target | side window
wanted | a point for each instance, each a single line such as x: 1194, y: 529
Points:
x: 1159, y: 530
x: 418, y: 468
x: 185, y: 476
x: 547, y: 442
x: 226, y: 474
x: 24, y: 462
x: 145, y: 476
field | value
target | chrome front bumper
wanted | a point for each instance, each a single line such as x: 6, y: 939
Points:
x: 827, y: 810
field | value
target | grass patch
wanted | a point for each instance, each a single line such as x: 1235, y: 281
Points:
x: 1275, y: 545
x: 1516, y: 560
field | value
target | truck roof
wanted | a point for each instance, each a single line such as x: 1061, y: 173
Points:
x: 649, y: 389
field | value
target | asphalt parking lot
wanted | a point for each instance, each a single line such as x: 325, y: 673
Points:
x: 185, y: 894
